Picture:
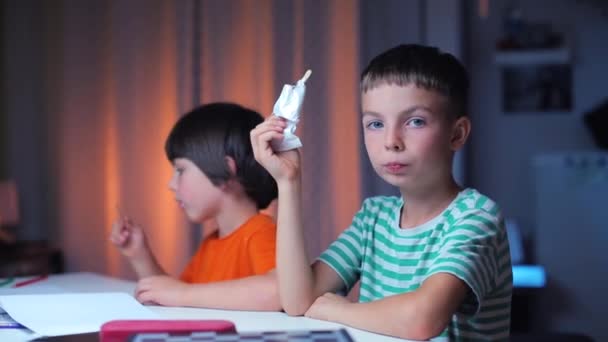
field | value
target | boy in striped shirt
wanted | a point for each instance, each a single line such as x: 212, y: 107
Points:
x: 433, y: 263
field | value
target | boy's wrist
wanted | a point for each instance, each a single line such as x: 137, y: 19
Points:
x: 291, y: 184
x: 287, y: 177
x: 144, y: 259
x: 183, y: 295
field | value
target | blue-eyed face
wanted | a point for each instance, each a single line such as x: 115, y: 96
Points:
x: 408, y: 135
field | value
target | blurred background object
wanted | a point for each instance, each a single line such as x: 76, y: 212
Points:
x: 9, y: 211
x: 570, y: 203
x: 22, y: 258
x: 597, y: 122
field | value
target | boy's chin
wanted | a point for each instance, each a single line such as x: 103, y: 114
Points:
x: 192, y: 217
x: 198, y: 217
x: 402, y: 184
x: 399, y: 184
x: 394, y: 180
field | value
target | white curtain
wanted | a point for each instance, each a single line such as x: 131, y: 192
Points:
x: 117, y: 88
x: 115, y: 75
x: 251, y: 48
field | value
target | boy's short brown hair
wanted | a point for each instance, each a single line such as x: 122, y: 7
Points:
x: 426, y: 67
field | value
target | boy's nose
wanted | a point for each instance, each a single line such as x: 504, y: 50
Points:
x: 171, y: 184
x: 393, y: 141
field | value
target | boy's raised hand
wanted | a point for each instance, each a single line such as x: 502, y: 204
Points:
x: 129, y: 238
x: 281, y: 165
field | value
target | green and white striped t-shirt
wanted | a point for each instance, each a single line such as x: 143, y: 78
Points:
x: 467, y: 240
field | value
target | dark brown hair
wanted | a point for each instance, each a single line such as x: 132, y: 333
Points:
x: 209, y: 133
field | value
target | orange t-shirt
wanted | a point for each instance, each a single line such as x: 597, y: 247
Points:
x: 247, y: 251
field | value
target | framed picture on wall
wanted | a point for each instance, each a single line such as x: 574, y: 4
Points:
x: 543, y: 88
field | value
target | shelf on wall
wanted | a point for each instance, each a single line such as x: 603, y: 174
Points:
x: 534, y: 57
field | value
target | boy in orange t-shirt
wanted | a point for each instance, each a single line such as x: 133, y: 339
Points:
x: 215, y: 177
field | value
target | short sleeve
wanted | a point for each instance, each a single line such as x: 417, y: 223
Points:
x: 345, y: 255
x: 469, y: 252
x: 262, y: 250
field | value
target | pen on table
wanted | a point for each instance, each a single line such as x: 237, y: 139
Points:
x: 6, y: 322
x: 9, y: 324
x: 30, y: 281
x: 6, y: 281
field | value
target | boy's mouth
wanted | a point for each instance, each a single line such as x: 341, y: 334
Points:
x: 394, y: 167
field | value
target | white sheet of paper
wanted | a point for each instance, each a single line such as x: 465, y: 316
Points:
x: 62, y: 314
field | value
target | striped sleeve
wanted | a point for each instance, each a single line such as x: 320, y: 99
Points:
x: 469, y: 252
x: 345, y: 254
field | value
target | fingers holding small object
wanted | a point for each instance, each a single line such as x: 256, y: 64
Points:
x: 271, y: 128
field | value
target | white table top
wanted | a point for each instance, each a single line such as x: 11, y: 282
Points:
x: 245, y: 321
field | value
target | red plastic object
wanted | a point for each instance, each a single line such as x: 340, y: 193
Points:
x: 122, y: 330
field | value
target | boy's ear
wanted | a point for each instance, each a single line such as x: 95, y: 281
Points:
x: 460, y: 132
x: 231, y: 165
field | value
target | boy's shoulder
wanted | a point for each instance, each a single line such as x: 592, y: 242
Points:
x: 260, y: 222
x: 469, y: 207
x: 256, y: 226
x: 470, y: 199
x: 472, y: 205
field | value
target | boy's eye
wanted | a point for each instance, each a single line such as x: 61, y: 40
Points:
x: 179, y: 170
x: 416, y: 122
x: 374, y: 125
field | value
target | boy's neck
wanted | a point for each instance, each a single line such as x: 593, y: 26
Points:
x: 234, y: 213
x: 422, y: 206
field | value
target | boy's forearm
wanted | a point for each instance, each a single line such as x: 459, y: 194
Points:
x: 256, y: 293
x: 294, y: 274
x: 403, y: 316
x: 146, y: 266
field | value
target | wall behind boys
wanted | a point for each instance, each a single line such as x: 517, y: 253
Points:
x: 504, y: 146
x: 94, y: 92
x: 3, y: 129
x: 22, y: 101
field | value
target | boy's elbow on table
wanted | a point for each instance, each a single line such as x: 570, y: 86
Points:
x: 425, y: 329
x: 422, y: 321
x: 296, y: 309
x: 270, y: 298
